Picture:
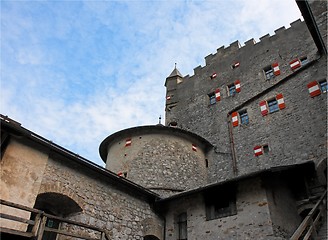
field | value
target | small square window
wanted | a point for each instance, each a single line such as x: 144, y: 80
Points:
x: 268, y: 71
x: 232, y: 89
x: 273, y: 105
x: 266, y: 148
x: 235, y: 65
x: 220, y: 202
x: 243, y: 117
x: 212, y: 98
x: 323, y: 86
x: 304, y: 61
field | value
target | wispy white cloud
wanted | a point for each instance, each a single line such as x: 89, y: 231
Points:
x: 75, y: 72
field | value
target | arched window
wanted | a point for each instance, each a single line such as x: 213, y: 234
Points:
x: 58, y: 205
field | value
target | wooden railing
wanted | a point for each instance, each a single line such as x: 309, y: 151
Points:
x: 308, y: 227
x: 38, y: 224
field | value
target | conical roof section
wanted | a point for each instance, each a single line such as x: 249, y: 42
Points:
x: 175, y: 73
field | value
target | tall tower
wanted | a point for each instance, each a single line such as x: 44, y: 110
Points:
x: 171, y: 84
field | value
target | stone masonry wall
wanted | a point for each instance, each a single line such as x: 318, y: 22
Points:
x: 22, y: 167
x: 164, y: 163
x: 294, y: 134
x: 104, y: 205
x: 193, y: 111
x: 251, y: 222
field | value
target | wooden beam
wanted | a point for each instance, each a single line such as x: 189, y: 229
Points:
x: 17, y: 219
x: 15, y: 232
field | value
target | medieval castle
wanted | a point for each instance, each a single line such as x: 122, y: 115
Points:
x: 242, y: 155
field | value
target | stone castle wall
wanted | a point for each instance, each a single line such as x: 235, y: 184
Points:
x: 283, y: 131
x: 165, y: 160
x: 104, y: 205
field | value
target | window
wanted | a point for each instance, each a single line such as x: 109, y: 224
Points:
x: 304, y: 61
x: 266, y: 148
x: 220, y: 202
x: 232, y: 89
x: 173, y: 124
x: 212, y: 98
x: 235, y: 65
x: 268, y: 71
x: 260, y: 150
x: 323, y: 86
x: 243, y: 117
x: 182, y: 226
x: 273, y: 105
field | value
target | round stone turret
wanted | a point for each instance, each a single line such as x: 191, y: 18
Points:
x: 163, y: 159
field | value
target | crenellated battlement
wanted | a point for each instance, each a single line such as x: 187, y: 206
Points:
x: 235, y: 46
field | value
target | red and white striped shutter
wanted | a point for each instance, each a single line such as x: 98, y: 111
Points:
x: 237, y: 85
x: 213, y: 75
x: 295, y: 64
x: 314, y: 89
x: 258, y: 151
x: 280, y: 100
x: 264, y: 108
x: 194, y: 147
x: 276, y: 69
x: 128, y: 142
x: 217, y: 95
x: 234, y: 119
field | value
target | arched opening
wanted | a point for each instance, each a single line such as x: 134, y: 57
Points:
x: 150, y: 237
x: 58, y: 205
x: 173, y: 124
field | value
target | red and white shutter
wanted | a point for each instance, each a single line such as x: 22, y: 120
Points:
x: 264, y: 108
x: 128, y: 142
x: 217, y: 95
x: 295, y: 64
x: 236, y: 64
x: 234, y: 119
x: 258, y: 151
x: 281, y: 102
x: 194, y: 147
x: 276, y: 69
x: 314, y: 89
x: 214, y: 75
x: 237, y: 85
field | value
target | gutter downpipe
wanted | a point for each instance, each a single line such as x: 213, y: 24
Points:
x: 232, y: 146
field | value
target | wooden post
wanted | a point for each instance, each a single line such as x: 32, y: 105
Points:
x: 41, y: 228
x: 37, y: 222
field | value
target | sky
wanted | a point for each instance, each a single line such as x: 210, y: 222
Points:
x: 76, y: 71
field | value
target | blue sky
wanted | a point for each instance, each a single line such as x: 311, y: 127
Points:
x: 75, y: 71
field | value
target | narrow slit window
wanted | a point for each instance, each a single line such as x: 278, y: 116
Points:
x: 182, y: 226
